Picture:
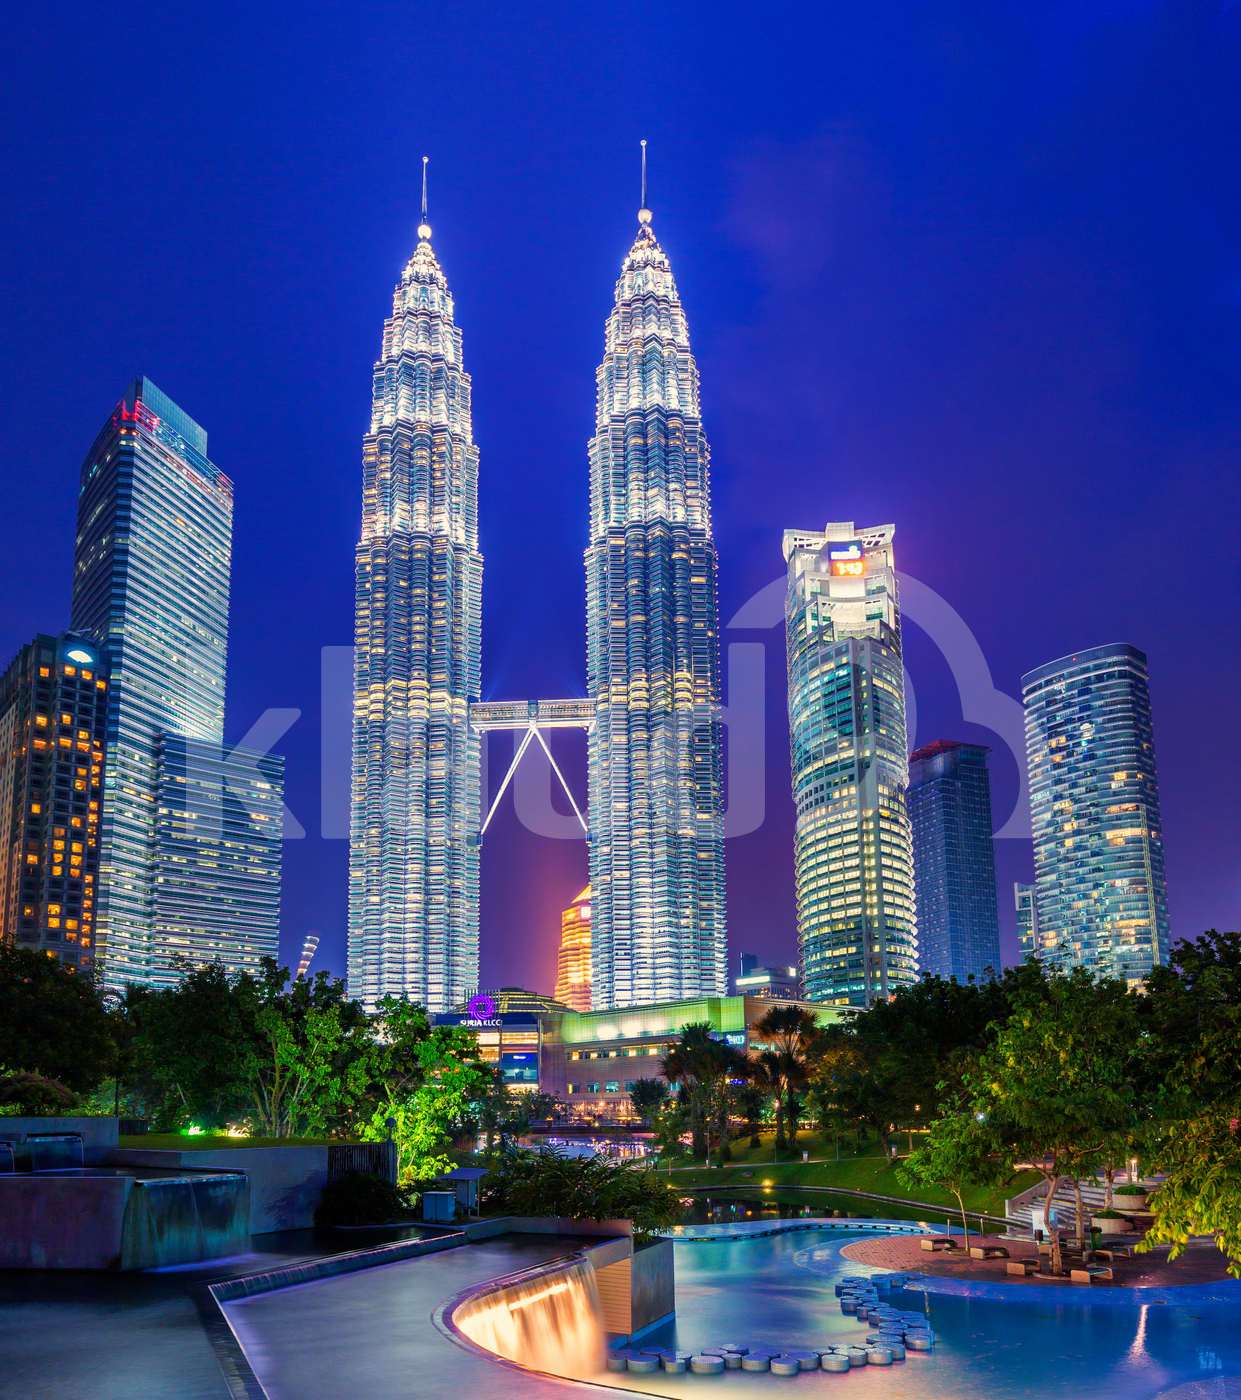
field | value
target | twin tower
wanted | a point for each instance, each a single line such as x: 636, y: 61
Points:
x: 652, y: 704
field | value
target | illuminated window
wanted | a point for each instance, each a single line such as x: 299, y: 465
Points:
x: 87, y: 675
x: 36, y: 808
x: 101, y: 685
x: 53, y: 923
x: 43, y: 671
x: 40, y: 720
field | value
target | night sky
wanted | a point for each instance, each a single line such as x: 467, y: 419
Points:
x: 971, y: 268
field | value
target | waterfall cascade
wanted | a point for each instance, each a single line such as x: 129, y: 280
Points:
x: 550, y: 1322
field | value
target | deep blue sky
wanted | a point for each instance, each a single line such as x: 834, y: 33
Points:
x: 972, y: 268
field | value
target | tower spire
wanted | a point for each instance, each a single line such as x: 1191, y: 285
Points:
x: 424, y: 228
x: 644, y: 214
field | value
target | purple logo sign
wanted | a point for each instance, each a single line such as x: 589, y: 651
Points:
x: 480, y: 1007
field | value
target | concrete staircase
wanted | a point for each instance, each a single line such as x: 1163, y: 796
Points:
x: 1094, y: 1194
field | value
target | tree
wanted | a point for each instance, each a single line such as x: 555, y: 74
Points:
x: 647, y: 1095
x: 1058, y: 1083
x: 690, y: 1062
x: 1193, y: 1020
x: 52, y: 1021
x: 954, y: 1156
x: 440, y: 1077
x: 787, y: 1032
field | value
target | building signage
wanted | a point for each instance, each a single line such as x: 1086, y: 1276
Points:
x: 846, y: 559
x: 480, y: 1007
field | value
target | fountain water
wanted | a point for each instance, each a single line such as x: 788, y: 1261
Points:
x: 550, y: 1321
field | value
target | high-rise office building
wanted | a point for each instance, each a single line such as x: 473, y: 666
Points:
x: 573, y: 959
x: 949, y: 804
x: 1094, y: 798
x: 413, y: 855
x: 216, y: 858
x: 656, y: 806
x: 772, y: 983
x: 846, y: 679
x: 151, y: 578
x: 53, y: 729
x: 1027, y: 920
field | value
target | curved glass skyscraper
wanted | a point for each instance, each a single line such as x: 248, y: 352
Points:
x: 1100, y: 895
x: 413, y: 859
x: 656, y: 819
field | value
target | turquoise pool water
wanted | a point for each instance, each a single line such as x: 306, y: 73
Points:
x: 778, y: 1291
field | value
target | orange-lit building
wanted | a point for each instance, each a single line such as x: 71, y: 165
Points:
x: 573, y: 960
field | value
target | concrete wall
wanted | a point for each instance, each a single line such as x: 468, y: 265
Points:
x: 62, y: 1222
x: 98, y: 1134
x: 652, y: 1286
x: 285, y: 1182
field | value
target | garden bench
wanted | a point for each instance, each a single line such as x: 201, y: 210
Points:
x: 988, y: 1251
x: 934, y: 1242
x: 1090, y: 1273
x: 1021, y: 1266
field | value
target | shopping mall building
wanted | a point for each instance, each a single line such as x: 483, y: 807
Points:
x: 590, y: 1059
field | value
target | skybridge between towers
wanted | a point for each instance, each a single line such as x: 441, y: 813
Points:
x: 532, y: 716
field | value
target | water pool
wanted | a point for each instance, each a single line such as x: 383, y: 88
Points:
x: 778, y: 1291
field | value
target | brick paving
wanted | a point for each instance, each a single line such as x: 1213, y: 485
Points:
x: 1200, y: 1263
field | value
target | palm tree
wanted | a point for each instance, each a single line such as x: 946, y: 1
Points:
x: 689, y: 1062
x: 789, y: 1032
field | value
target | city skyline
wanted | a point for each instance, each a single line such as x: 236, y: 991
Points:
x: 939, y: 273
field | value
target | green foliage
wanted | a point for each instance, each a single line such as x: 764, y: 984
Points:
x: 647, y: 1095
x: 32, y: 1096
x: 955, y: 1156
x: 543, y: 1184
x: 1194, y: 1026
x: 427, y: 1077
x: 1057, y: 1086
x: 361, y: 1198
x: 52, y: 1021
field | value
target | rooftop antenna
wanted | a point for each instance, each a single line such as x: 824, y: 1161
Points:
x: 424, y: 228
x: 644, y: 214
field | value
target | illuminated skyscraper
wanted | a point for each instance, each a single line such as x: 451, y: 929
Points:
x: 573, y: 959
x: 53, y: 727
x: 1094, y: 799
x: 413, y: 857
x: 852, y: 847
x: 656, y: 811
x: 151, y: 579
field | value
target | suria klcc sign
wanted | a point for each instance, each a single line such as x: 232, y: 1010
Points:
x: 480, y: 1010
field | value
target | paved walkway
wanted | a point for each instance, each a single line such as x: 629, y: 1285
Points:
x: 369, y: 1333
x: 1200, y: 1264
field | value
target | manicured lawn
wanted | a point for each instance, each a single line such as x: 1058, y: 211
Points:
x: 857, y: 1173
x: 205, y: 1142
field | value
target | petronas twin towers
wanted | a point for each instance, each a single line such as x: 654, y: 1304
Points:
x: 653, y: 713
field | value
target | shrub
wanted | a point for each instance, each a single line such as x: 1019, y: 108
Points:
x: 544, y: 1184
x: 1129, y: 1191
x: 1106, y: 1215
x: 361, y: 1198
x: 32, y: 1096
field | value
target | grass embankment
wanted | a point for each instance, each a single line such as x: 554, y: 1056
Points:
x: 855, y: 1173
x: 209, y: 1142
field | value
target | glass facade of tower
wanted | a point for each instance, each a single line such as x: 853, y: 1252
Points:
x: 852, y: 852
x: 1094, y: 799
x: 413, y: 860
x: 949, y: 802
x: 656, y: 806
x: 217, y: 854
x: 151, y: 579
x: 53, y: 727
